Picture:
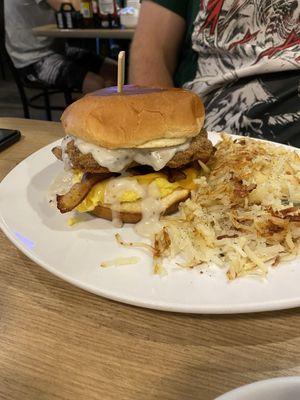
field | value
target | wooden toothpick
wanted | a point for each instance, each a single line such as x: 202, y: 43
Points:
x: 121, y: 71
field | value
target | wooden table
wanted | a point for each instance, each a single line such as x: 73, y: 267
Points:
x: 53, y: 31
x: 59, y: 342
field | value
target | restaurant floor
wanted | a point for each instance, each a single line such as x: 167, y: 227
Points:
x: 10, y: 102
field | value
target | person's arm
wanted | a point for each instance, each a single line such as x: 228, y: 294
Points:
x: 56, y: 4
x: 156, y: 46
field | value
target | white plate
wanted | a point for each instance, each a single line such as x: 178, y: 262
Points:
x: 287, y: 388
x: 75, y: 253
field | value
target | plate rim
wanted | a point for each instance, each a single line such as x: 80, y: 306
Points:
x: 241, y: 390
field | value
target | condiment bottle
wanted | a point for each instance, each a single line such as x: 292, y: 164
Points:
x: 96, y: 16
x: 66, y: 16
x: 108, y: 12
x: 86, y: 9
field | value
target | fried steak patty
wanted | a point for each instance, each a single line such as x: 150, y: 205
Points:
x: 200, y: 149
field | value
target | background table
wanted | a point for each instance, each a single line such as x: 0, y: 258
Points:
x: 53, y: 31
x: 59, y: 342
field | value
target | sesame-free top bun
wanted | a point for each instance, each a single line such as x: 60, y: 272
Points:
x: 137, y: 117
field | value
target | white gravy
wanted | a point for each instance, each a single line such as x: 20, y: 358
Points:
x: 151, y: 207
x: 117, y: 160
x: 114, y: 189
x: 61, y: 184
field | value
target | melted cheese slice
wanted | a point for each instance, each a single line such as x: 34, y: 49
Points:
x: 97, y: 193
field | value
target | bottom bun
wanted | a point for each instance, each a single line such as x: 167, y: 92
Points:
x: 131, y: 212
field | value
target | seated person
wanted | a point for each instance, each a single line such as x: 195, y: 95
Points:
x: 241, y: 57
x: 39, y: 58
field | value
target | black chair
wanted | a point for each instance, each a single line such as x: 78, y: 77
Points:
x: 44, y: 91
x: 2, y: 68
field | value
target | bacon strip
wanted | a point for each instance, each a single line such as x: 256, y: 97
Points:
x: 67, y: 202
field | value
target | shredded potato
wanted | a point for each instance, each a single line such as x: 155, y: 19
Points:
x: 133, y: 244
x: 120, y: 261
x: 244, y: 214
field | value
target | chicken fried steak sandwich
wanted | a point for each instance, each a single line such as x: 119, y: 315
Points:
x: 133, y: 154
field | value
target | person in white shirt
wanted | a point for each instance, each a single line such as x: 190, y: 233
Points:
x: 39, y: 59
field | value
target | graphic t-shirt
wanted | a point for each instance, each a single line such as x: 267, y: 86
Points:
x: 243, y: 59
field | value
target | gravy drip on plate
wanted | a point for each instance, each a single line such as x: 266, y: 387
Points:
x: 115, y: 188
x: 151, y: 207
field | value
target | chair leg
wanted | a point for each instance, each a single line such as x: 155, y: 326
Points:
x: 24, y: 101
x: 26, y: 111
x: 2, y: 67
x: 47, y: 105
x: 68, y: 97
